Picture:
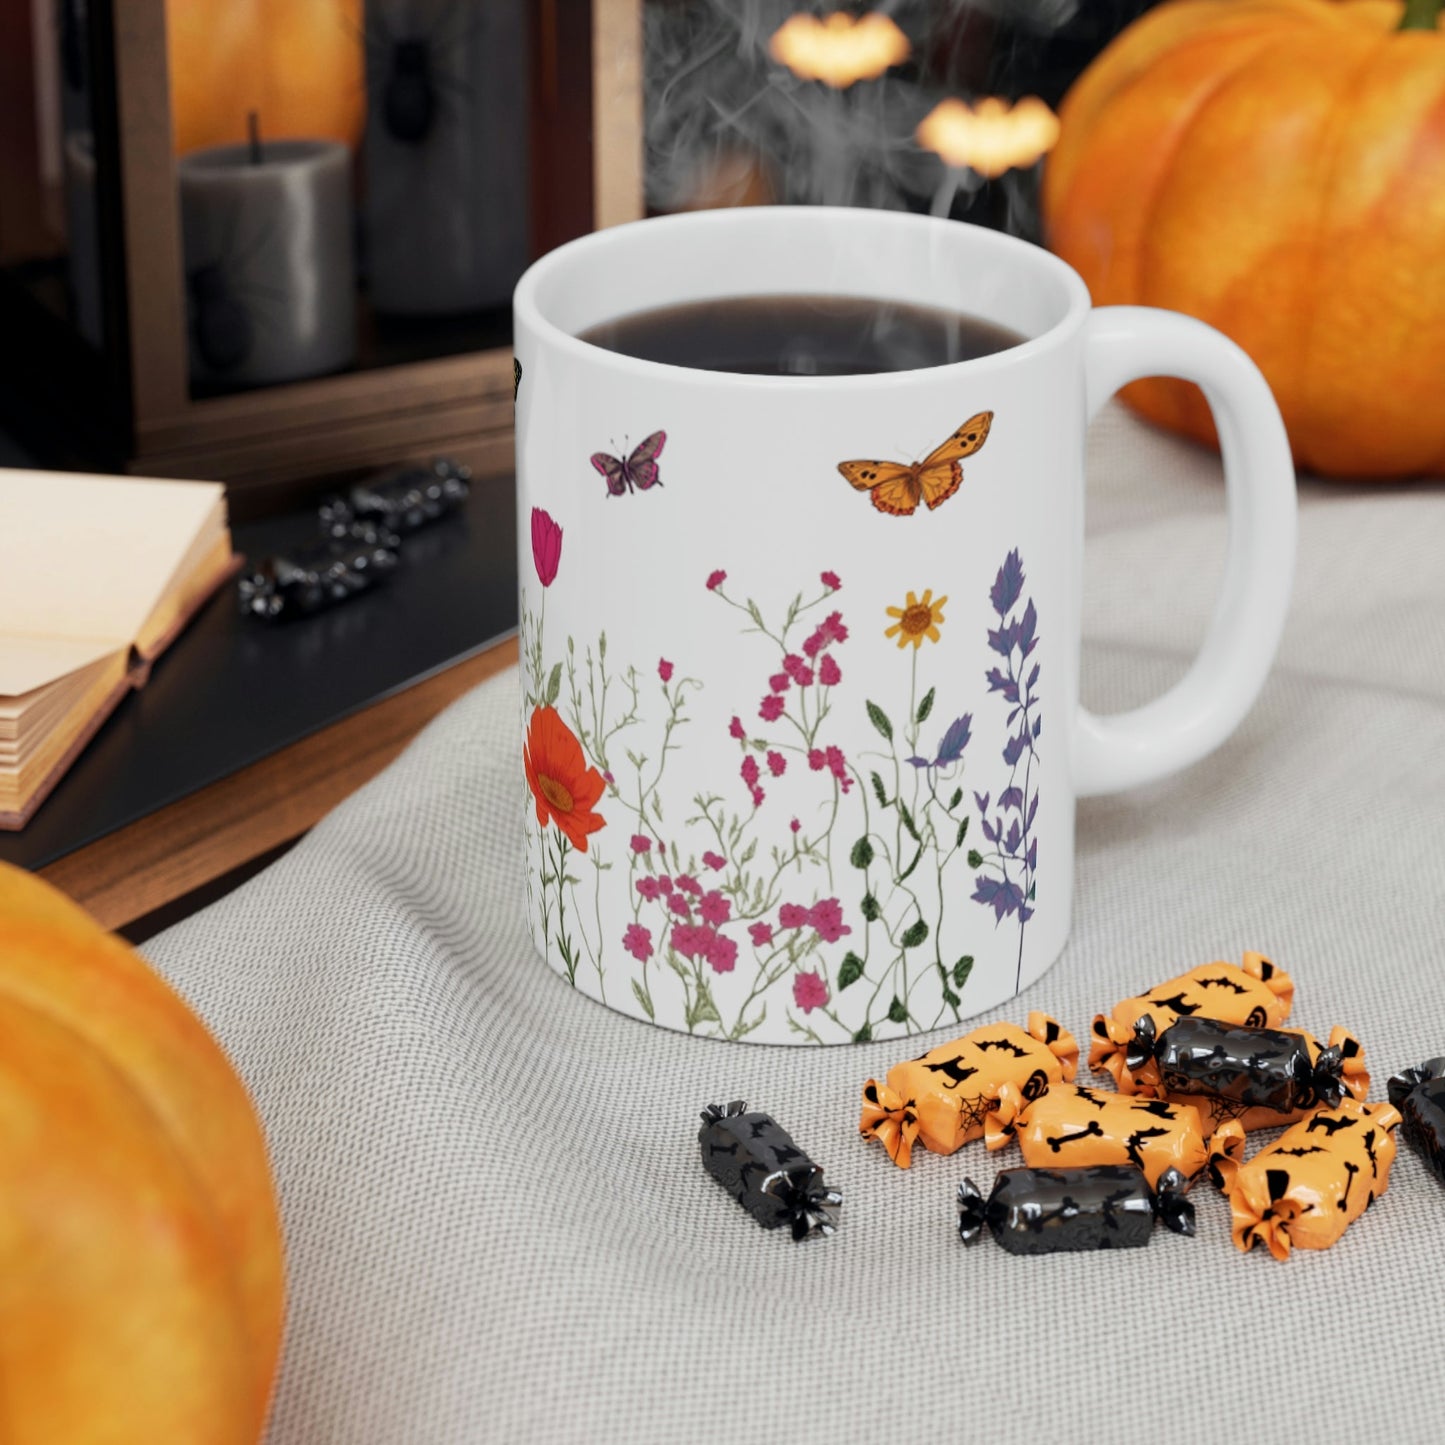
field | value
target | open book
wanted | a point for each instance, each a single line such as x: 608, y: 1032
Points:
x: 97, y: 575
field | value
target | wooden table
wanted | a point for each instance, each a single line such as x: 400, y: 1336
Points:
x: 248, y: 733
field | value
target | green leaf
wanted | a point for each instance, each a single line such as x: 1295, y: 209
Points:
x: 702, y: 1009
x: 916, y: 934
x: 950, y: 998
x: 879, y: 719
x: 962, y: 969
x: 602, y: 645
x: 878, y: 790
x: 925, y: 707
x: 850, y: 970
x: 862, y: 854
x: 1033, y: 887
x: 864, y: 1035
x: 870, y: 909
x: 956, y: 799
x: 748, y: 852
x: 742, y: 1030
x: 907, y: 873
x: 644, y: 999
x: 554, y: 685
x: 975, y: 858
x: 962, y: 833
x: 908, y: 822
x: 898, y: 1011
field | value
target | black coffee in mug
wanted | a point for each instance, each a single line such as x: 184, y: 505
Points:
x: 802, y: 335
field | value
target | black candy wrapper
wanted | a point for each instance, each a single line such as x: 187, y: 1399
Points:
x: 754, y: 1158
x: 1095, y: 1206
x: 1254, y: 1068
x: 1419, y: 1095
x: 318, y: 575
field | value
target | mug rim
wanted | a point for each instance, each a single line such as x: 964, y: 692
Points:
x: 528, y: 314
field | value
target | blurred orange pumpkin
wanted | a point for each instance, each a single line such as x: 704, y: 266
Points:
x: 141, y: 1285
x: 299, y: 64
x: 1277, y: 169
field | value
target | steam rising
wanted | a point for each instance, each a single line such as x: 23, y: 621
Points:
x: 726, y: 123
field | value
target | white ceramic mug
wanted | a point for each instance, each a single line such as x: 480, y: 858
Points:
x: 779, y: 788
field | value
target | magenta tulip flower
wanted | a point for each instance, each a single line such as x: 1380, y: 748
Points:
x: 546, y: 546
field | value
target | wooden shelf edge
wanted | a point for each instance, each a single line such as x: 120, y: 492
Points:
x: 163, y: 857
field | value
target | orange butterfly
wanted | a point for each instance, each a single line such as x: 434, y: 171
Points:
x: 898, y: 487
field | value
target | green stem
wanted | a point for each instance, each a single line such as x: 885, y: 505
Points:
x: 1420, y: 15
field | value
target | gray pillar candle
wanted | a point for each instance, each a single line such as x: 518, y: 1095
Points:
x: 82, y: 227
x: 270, y: 276
x: 446, y: 207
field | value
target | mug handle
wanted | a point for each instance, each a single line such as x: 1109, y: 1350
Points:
x: 1123, y: 344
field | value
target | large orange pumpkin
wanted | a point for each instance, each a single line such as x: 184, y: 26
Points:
x: 140, y: 1253
x: 299, y: 64
x: 1277, y: 169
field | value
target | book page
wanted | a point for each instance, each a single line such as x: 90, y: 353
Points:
x: 84, y: 557
x: 28, y: 663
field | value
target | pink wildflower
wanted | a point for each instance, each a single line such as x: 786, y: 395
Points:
x: 809, y: 991
x: 750, y: 770
x: 793, y: 665
x: 778, y: 682
x: 829, y: 673
x: 714, y: 908
x: 649, y: 888
x: 664, y: 882
x: 833, y: 627
x: 758, y: 796
x: 722, y: 953
x: 814, y: 642
x: 793, y: 915
x: 691, y: 939
x: 716, y: 580
x: 640, y: 843
x: 686, y: 883
x: 714, y: 861
x: 761, y: 934
x: 678, y: 904
x: 795, y: 825
x: 777, y: 764
x: 827, y: 917
x: 771, y: 709
x: 735, y: 729
x: 838, y: 766
x: 638, y: 942
x: 817, y: 759
x: 831, y: 581
x: 664, y: 669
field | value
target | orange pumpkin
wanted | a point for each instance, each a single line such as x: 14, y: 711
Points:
x: 141, y: 1282
x: 299, y: 64
x: 1277, y: 169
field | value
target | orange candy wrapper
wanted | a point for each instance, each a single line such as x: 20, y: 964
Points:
x: 941, y: 1099
x: 1305, y: 1190
x: 1354, y: 1080
x: 1070, y: 1126
x: 1256, y: 994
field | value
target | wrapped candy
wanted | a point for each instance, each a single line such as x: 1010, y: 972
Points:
x: 1419, y: 1095
x: 1096, y: 1206
x: 318, y: 575
x: 1304, y: 1190
x: 1257, y: 994
x: 941, y: 1098
x: 1073, y: 1126
x: 754, y: 1158
x: 1259, y: 1077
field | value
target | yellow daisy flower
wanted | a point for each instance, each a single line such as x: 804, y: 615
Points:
x: 917, y: 619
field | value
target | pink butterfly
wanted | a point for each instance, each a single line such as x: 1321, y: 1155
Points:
x: 640, y: 470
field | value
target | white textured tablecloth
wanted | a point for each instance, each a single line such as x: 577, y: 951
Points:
x: 498, y: 1227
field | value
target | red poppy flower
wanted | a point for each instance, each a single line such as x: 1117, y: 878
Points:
x: 557, y: 773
